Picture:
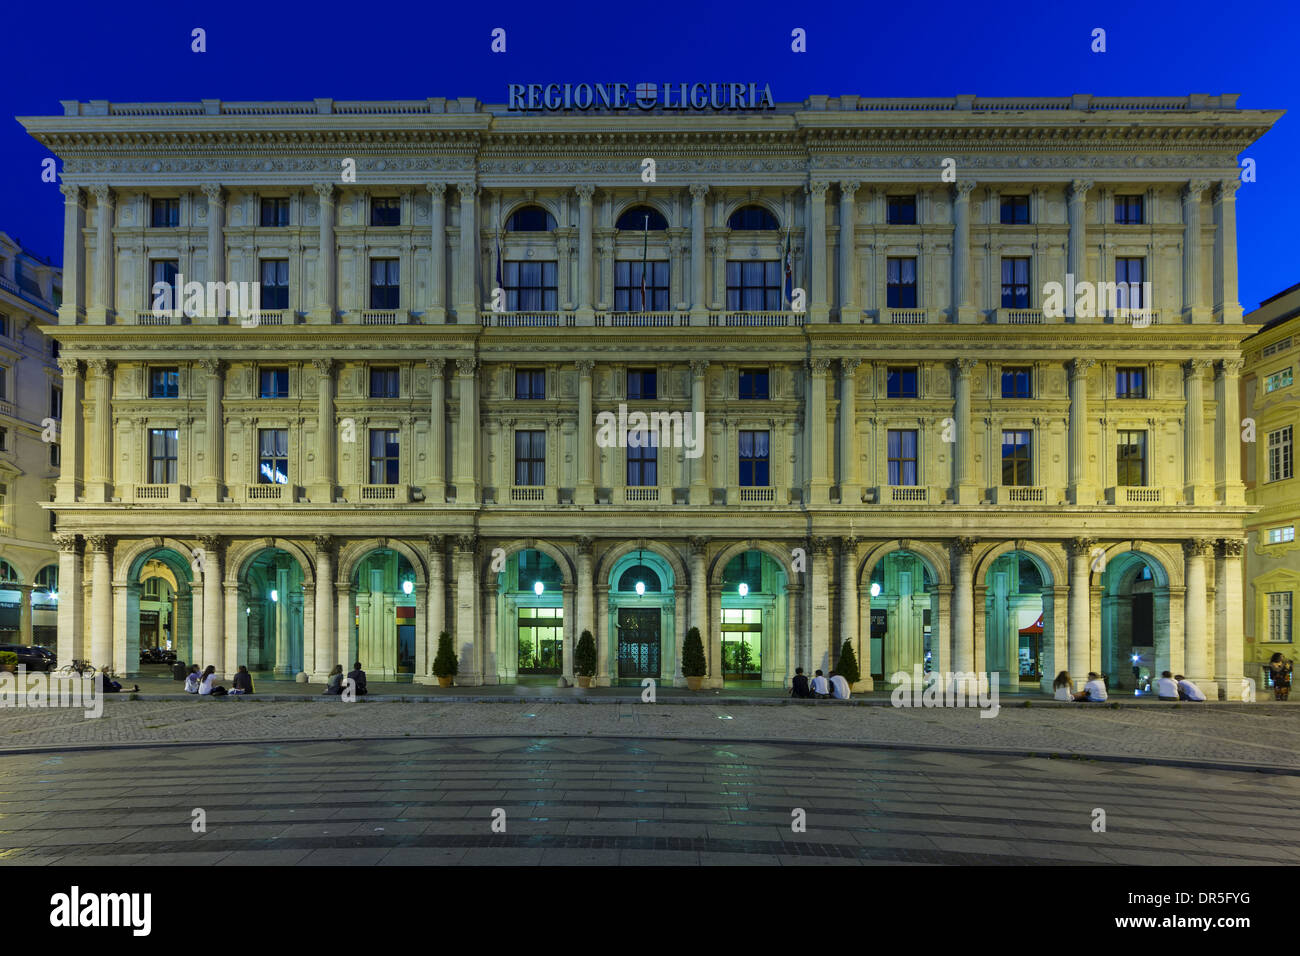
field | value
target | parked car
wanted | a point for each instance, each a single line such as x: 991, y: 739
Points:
x: 32, y: 657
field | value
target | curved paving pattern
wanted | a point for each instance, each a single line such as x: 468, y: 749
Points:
x: 627, y: 801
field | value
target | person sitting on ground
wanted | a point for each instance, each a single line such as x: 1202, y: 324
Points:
x: 799, y: 686
x: 193, y: 679
x: 243, y: 681
x: 208, y: 687
x: 1094, y: 691
x: 1063, y: 687
x: 335, y: 685
x: 1187, y: 690
x: 839, y: 686
x: 110, y: 686
x: 1167, y: 687
x: 358, y: 677
x: 1279, y: 671
x: 821, y: 689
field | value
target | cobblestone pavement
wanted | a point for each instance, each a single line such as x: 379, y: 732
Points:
x: 1261, y: 735
x: 634, y: 801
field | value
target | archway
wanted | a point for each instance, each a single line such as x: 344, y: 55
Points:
x: 158, y: 599
x: 45, y: 607
x: 11, y: 604
x: 172, y: 560
x: 642, y: 617
x: 1135, y: 645
x: 1018, y: 625
x: 385, y: 622
x: 530, y: 605
x: 904, y: 612
x: 271, y: 586
x: 754, y: 610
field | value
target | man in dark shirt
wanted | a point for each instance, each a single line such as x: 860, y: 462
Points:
x: 358, y: 677
x: 800, y: 688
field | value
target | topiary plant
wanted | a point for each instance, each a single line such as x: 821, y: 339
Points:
x: 9, y: 661
x: 693, y: 664
x: 847, y: 666
x: 445, y: 663
x: 584, y: 655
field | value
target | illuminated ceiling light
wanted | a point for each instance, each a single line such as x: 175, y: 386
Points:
x: 538, y: 588
x: 875, y: 589
x: 744, y: 589
x: 1135, y: 658
x: 407, y: 587
x: 275, y: 595
x: 640, y: 588
x: 54, y: 595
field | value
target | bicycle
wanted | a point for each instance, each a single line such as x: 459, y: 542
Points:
x: 78, y: 668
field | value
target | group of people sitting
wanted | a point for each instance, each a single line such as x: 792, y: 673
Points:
x: 1177, y: 687
x: 1168, y: 687
x: 836, y: 687
x: 205, y: 684
x: 356, y: 675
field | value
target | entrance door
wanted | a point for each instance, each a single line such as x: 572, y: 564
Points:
x: 742, y: 644
x: 541, y: 640
x: 638, y: 642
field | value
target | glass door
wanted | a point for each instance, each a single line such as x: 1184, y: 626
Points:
x: 742, y: 644
x: 541, y: 640
x: 638, y: 642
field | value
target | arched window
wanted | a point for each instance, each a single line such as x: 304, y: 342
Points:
x: 1031, y: 581
x: 47, y: 578
x: 639, y: 574
x: 530, y: 219
x: 7, y: 573
x: 634, y: 220
x: 752, y: 218
x: 744, y: 569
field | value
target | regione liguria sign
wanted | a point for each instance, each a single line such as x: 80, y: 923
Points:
x: 558, y: 97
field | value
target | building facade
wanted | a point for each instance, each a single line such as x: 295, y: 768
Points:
x: 469, y: 319
x: 1271, y: 404
x: 31, y: 403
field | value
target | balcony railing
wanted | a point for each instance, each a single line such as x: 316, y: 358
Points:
x: 267, y: 492
x: 381, y: 317
x: 905, y: 316
x: 1136, y: 317
x: 158, y: 318
x: 528, y: 320
x: 1022, y: 494
x: 759, y: 495
x: 157, y: 492
x: 1130, y: 495
x: 1019, y: 316
x: 756, y: 318
x: 265, y: 318
x: 908, y: 493
x: 527, y: 493
x: 640, y: 495
x: 7, y: 408
x: 384, y: 493
x: 643, y: 320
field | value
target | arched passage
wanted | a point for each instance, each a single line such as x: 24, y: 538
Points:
x: 1019, y: 616
x: 159, y: 594
x: 170, y: 561
x: 752, y: 645
x: 527, y: 616
x: 271, y: 586
x: 1135, y: 621
x: 904, y: 615
x: 642, y: 617
x: 385, y: 623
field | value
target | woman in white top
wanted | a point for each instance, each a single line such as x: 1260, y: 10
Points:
x: 209, y: 686
x: 1062, y: 686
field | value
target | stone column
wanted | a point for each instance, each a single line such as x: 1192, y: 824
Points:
x: 676, y: 296
x: 326, y: 647
x: 211, y: 488
x: 491, y: 633
x: 964, y: 489
x: 819, y: 623
x: 101, y: 600
x: 104, y: 310
x: 1196, y: 490
x: 699, y: 309
x: 99, y: 487
x: 1227, y: 455
x: 1079, y: 623
x: 1226, y: 307
x: 699, y: 494
x: 1228, y: 607
x: 25, y: 614
x: 850, y: 455
x: 469, y: 645
x: 1082, y: 491
x: 848, y: 254
x: 216, y: 239
x: 819, y: 307
x: 467, y: 267
x: 214, y: 629
x: 436, y: 618
x: 604, y: 635
x: 437, y: 307
x: 466, y: 433
x: 585, y: 493
x: 321, y: 490
x: 71, y: 636
x: 700, y: 592
x: 817, y: 488
x: 436, y: 487
x: 799, y: 655
x: 963, y: 607
x: 1077, y: 251
x: 1195, y: 636
x: 1193, y: 300
x: 962, y: 282
x: 326, y: 278
x: 584, y: 619
x: 586, y: 280
x: 68, y: 487
x: 73, y: 306
x: 850, y: 612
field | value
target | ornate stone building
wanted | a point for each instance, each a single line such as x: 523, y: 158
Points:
x: 902, y: 447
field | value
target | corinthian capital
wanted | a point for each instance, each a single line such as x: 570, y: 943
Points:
x: 1079, y: 367
x: 467, y: 191
x: 585, y: 191
x: 436, y: 190
x: 963, y: 190
x: 1079, y: 189
x: 103, y: 195
x: 466, y: 366
x: 66, y: 542
x: 965, y: 366
x: 212, y: 191
x: 324, y: 366
x: 1194, y: 189
x: 817, y: 190
x: 1231, y: 367
x: 70, y: 192
x: 848, y: 189
x: 69, y: 367
x: 325, y: 191
x: 698, y: 192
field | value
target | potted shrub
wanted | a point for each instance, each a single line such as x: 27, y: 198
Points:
x: 445, y: 664
x: 9, y: 662
x: 693, y: 664
x: 584, y: 659
x: 847, y: 666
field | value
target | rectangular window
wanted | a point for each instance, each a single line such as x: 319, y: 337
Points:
x: 901, y: 283
x: 385, y: 383
x: 1281, y: 345
x: 753, y: 454
x: 754, y: 285
x: 162, y: 456
x: 1279, y: 454
x: 642, y: 384
x: 900, y: 382
x: 1278, y: 380
x: 386, y: 211
x: 164, y: 213
x: 1130, y: 383
x: 1015, y: 210
x: 1015, y: 283
x: 275, y: 284
x: 901, y: 211
x: 4, y: 324
x: 531, y: 286
x: 643, y: 461
x: 1017, y: 383
x: 628, y: 283
x: 530, y: 458
x: 275, y: 212
x: 385, y: 279
x: 753, y: 383
x: 1128, y: 283
x: 4, y: 439
x: 1131, y: 459
x: 1279, y: 617
x: 902, y: 457
x: 1281, y: 535
x: 4, y: 384
x: 530, y: 384
x: 1016, y: 468
x: 1128, y: 210
x: 273, y: 383
x: 162, y: 284
x: 54, y: 455
x: 56, y: 402
x: 273, y: 456
x: 384, y: 456
x: 164, y: 383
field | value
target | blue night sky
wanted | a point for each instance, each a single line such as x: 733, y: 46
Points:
x: 400, y: 50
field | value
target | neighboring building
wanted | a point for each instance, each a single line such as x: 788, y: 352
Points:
x: 1271, y: 398
x: 31, y: 407
x: 926, y: 462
